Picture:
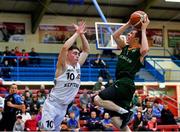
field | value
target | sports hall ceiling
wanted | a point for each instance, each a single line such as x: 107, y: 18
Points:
x: 156, y: 9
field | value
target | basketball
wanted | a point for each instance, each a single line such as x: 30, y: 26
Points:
x: 137, y: 17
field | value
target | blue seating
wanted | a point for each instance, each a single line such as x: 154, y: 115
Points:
x: 45, y: 71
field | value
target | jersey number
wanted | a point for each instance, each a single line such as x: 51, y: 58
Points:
x: 49, y: 124
x: 70, y: 76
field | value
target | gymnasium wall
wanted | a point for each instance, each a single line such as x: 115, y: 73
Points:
x: 32, y: 40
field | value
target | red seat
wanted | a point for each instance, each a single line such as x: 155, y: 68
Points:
x: 168, y: 127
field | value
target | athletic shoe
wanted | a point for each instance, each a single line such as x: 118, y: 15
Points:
x: 126, y: 118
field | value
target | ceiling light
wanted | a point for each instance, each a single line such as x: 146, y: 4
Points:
x: 172, y: 0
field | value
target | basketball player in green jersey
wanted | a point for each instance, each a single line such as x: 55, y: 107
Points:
x: 118, y: 97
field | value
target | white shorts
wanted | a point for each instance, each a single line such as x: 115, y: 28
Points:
x: 52, y: 114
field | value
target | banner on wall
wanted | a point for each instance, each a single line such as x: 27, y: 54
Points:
x: 12, y: 32
x: 57, y: 34
x: 173, y: 38
x: 155, y: 37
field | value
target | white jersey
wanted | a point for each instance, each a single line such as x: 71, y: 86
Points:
x: 67, y: 85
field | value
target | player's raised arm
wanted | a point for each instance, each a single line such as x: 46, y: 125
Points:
x: 85, y: 44
x: 61, y: 63
x: 144, y: 43
x: 116, y: 35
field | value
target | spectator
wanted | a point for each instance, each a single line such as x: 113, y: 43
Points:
x: 13, y: 59
x: 27, y: 99
x: 35, y: 104
x: 99, y: 63
x: 152, y: 124
x: 167, y: 116
x: 6, y: 55
x: 109, y: 83
x: 34, y: 57
x: 97, y: 85
x: 26, y: 89
x: 13, y: 102
x: 24, y: 58
x: 148, y: 114
x: 107, y: 123
x: 6, y: 70
x: 94, y: 123
x: 41, y: 98
x: 72, y: 123
x: 84, y: 112
x: 17, y: 51
x: 156, y: 110
x: 76, y: 110
x: 25, y: 115
x: 138, y: 121
x: 19, y: 124
x: 43, y: 91
x: 31, y: 124
x: 84, y: 98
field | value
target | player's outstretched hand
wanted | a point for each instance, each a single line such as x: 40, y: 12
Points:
x: 80, y: 28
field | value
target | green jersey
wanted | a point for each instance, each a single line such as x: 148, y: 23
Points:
x: 128, y: 62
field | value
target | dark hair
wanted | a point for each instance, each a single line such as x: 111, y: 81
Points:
x: 74, y: 47
x: 139, y: 35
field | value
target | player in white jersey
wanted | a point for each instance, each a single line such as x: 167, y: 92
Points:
x: 67, y: 81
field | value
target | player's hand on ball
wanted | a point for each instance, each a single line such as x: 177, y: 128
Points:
x: 145, y: 23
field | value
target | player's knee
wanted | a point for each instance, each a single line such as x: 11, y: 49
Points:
x: 97, y: 100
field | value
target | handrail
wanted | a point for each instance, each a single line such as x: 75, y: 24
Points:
x: 158, y: 65
x: 167, y: 97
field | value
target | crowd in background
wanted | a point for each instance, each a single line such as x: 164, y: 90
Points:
x: 15, y: 57
x: 82, y: 113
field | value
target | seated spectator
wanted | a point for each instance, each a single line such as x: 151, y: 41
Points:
x: 148, y: 114
x: 13, y: 59
x: 138, y: 121
x: 94, y: 122
x: 26, y: 89
x: 72, y: 123
x: 109, y: 83
x: 156, y: 111
x: 84, y: 112
x: 24, y: 114
x: 97, y: 85
x: 84, y: 98
x: 152, y: 124
x: 167, y: 116
x: 107, y: 122
x: 43, y: 91
x: 24, y: 58
x: 74, y: 108
x: 34, y: 58
x: 34, y: 107
x: 6, y: 55
x: 17, y: 51
x: 41, y: 98
x: 19, y: 124
x: 31, y: 124
x: 6, y: 70
x: 27, y: 99
x: 99, y: 63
